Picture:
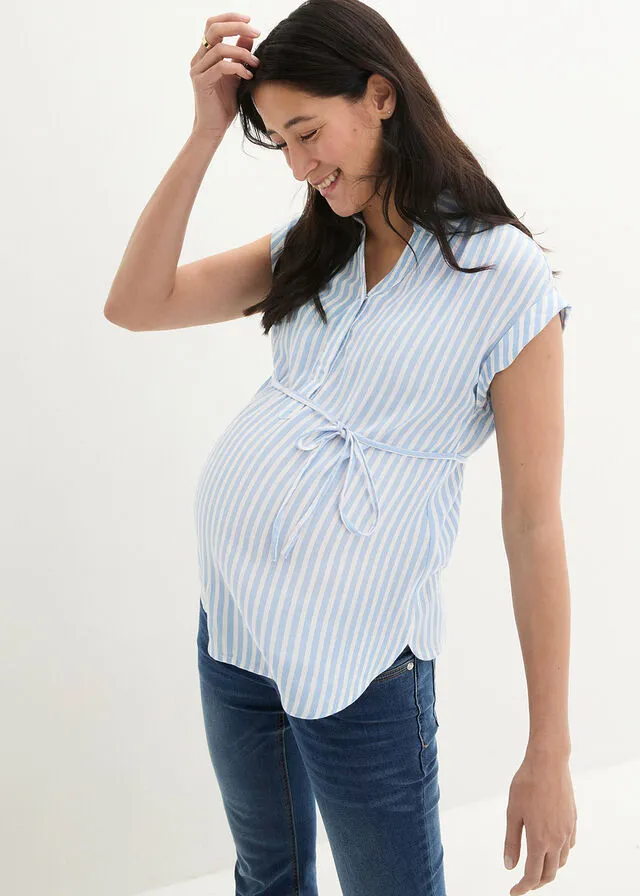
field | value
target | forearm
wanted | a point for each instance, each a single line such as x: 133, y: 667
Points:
x: 541, y: 602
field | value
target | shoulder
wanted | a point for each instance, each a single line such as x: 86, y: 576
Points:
x: 511, y: 252
x: 519, y: 285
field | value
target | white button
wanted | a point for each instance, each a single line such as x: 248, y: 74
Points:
x: 409, y: 665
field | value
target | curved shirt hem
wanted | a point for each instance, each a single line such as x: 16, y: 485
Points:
x: 386, y: 664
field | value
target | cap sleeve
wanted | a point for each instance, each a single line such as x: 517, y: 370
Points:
x: 278, y: 237
x: 524, y: 298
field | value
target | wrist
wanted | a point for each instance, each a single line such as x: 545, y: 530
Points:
x: 549, y: 748
x: 210, y: 136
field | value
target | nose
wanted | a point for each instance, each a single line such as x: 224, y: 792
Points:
x: 301, y: 167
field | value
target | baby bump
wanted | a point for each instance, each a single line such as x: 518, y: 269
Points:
x: 242, y: 478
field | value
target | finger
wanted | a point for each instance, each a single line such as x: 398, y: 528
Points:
x: 532, y: 874
x: 564, y: 853
x: 513, y: 835
x: 223, y: 17
x: 217, y: 31
x: 549, y: 870
x: 217, y: 53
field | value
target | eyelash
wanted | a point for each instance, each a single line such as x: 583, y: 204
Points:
x: 304, y: 139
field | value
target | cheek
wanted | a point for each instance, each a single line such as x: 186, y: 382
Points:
x: 349, y: 154
x: 361, y: 146
x: 334, y: 150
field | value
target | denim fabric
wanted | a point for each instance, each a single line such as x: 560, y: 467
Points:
x: 372, y: 769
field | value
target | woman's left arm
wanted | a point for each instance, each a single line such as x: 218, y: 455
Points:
x: 528, y: 407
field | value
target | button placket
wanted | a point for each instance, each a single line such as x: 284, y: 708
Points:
x: 326, y: 364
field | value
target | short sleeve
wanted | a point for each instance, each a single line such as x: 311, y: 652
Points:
x: 523, y: 299
x: 278, y: 237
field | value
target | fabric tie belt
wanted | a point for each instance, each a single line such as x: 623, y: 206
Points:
x: 352, y: 449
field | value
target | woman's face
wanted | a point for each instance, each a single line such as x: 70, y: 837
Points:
x: 335, y: 134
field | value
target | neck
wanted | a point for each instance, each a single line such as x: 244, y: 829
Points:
x: 379, y: 234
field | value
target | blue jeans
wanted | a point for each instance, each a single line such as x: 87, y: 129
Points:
x: 372, y: 768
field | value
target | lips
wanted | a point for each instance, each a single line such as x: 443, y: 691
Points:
x: 328, y: 191
x: 322, y: 179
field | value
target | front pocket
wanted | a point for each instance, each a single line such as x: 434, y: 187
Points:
x: 403, y: 665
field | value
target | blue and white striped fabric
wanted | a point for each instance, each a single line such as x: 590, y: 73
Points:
x: 329, y: 506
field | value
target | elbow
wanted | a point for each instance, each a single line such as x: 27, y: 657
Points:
x: 530, y: 523
x: 112, y: 315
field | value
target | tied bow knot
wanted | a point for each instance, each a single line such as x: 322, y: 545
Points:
x: 323, y: 434
x: 352, y: 451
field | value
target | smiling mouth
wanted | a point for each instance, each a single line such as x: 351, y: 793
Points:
x: 336, y: 179
x: 330, y: 174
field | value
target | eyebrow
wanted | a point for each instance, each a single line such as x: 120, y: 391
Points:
x: 296, y: 120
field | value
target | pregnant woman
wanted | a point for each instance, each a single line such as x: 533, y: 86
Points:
x: 411, y: 315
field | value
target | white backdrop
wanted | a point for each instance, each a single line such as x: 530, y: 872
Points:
x: 106, y: 785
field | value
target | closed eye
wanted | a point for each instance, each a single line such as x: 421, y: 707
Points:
x: 303, y: 138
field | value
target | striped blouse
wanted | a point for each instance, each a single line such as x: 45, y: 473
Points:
x: 327, y: 509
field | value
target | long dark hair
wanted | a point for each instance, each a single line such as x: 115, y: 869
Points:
x: 330, y: 48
